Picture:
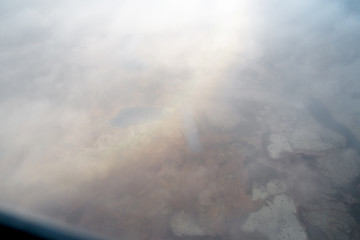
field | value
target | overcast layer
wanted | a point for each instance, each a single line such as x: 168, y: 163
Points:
x: 68, y: 67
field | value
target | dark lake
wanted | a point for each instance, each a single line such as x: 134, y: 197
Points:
x: 130, y: 116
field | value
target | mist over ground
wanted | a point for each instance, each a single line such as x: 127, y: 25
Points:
x: 257, y: 103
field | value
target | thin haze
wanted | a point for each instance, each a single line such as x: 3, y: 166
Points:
x: 68, y: 67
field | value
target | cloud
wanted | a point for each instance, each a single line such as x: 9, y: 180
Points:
x: 68, y: 67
